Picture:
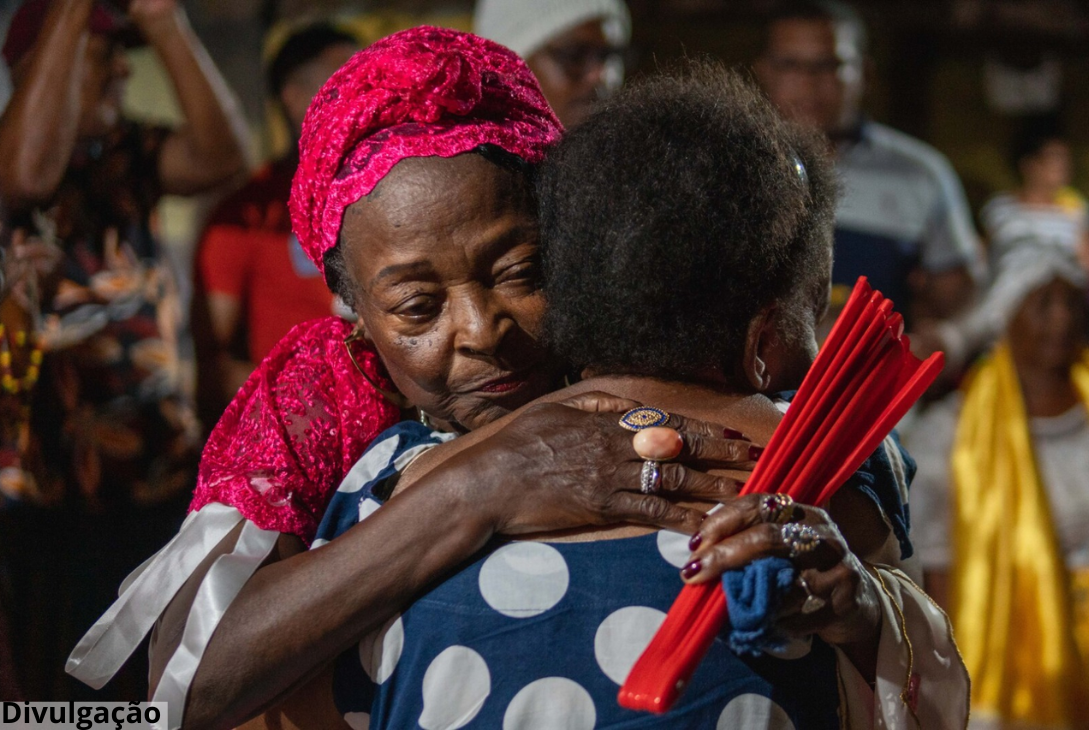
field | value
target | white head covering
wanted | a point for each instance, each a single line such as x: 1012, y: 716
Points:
x: 526, y: 26
x: 1020, y: 272
x: 1025, y: 267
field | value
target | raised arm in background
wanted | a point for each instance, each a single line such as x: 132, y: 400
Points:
x: 39, y: 127
x: 59, y: 98
x: 210, y: 147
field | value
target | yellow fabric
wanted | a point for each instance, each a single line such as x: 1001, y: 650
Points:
x: 1079, y: 591
x: 1070, y: 200
x: 1010, y: 591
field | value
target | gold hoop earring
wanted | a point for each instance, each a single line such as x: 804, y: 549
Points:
x: 395, y: 398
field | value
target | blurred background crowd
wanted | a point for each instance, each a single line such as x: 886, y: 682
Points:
x: 146, y: 154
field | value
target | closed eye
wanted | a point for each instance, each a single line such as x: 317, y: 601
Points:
x: 418, y: 308
x: 522, y: 273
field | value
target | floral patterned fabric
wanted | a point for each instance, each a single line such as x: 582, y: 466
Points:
x: 108, y: 420
x: 96, y: 464
x: 295, y: 429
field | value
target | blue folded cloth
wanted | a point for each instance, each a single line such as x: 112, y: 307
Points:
x: 755, y: 595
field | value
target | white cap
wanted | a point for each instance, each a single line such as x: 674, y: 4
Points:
x: 526, y: 26
x: 1025, y: 267
x: 1022, y: 270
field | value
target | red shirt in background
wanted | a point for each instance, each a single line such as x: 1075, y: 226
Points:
x: 249, y: 252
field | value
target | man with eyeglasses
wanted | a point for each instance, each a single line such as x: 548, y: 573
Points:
x: 903, y: 220
x: 576, y: 48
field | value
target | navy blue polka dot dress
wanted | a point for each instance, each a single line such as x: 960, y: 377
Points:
x: 535, y: 635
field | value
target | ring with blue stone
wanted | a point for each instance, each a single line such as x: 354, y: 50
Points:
x: 643, y: 417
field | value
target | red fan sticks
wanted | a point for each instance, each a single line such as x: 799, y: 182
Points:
x: 861, y: 384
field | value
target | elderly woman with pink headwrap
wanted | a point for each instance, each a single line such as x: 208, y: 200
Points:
x: 414, y: 197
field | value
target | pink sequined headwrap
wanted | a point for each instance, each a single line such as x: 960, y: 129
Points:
x: 418, y: 93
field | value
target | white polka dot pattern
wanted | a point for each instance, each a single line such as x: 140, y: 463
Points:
x: 524, y: 579
x: 674, y: 547
x: 455, y: 686
x: 380, y: 651
x: 622, y: 637
x: 358, y: 720
x: 369, y: 465
x: 367, y: 508
x: 552, y: 703
x: 753, y: 712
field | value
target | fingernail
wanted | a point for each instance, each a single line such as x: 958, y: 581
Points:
x: 729, y: 433
x: 695, y: 541
x: 754, y: 452
x: 691, y: 569
x: 704, y: 517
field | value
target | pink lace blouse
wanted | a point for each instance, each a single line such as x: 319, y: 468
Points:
x: 294, y: 429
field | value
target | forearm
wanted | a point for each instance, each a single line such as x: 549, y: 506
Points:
x: 39, y: 127
x: 920, y: 680
x: 297, y: 615
x: 213, y: 138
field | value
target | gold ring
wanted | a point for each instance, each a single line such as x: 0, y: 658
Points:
x: 777, y: 508
x: 643, y: 417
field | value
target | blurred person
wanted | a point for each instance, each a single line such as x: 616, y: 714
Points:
x: 1044, y: 210
x: 102, y: 450
x: 903, y: 220
x: 1000, y: 502
x: 1044, y: 206
x: 575, y: 48
x: 253, y: 280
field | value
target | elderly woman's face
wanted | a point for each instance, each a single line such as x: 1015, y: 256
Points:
x: 443, y: 255
x: 1048, y: 329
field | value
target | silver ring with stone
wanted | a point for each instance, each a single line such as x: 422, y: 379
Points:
x: 776, y: 508
x: 650, y: 480
x: 812, y: 603
x: 800, y: 539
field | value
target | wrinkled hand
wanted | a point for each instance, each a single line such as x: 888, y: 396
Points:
x: 575, y: 467
x: 736, y: 534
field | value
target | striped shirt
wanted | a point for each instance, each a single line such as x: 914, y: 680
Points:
x: 1010, y: 222
x: 903, y: 207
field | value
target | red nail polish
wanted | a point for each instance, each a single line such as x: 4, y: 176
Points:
x: 691, y: 569
x: 695, y: 541
x: 729, y: 433
x: 754, y: 452
x: 704, y: 516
